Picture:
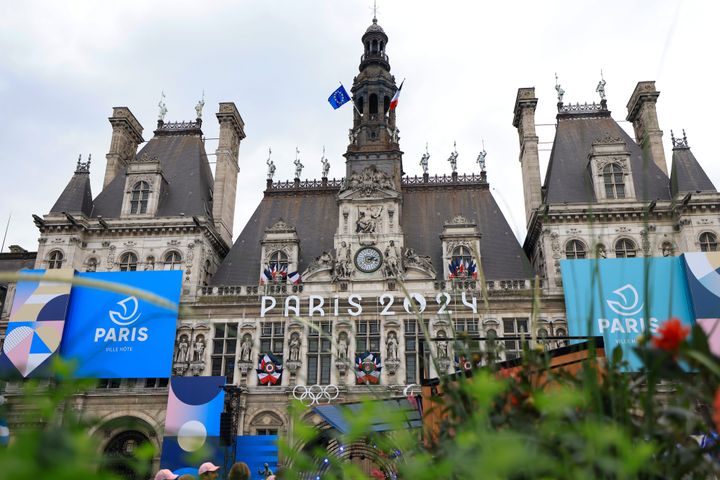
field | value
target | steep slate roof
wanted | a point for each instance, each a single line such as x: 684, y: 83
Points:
x: 315, y: 217
x: 77, y: 196
x: 687, y: 175
x: 568, y: 177
x: 186, y: 169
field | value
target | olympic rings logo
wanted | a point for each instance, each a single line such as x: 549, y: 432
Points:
x: 315, y: 394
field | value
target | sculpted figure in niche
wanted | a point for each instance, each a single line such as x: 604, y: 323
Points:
x: 442, y: 345
x: 392, y: 346
x: 342, y: 346
x: 182, y: 352
x: 246, y: 349
x: 422, y: 261
x: 294, y: 345
x: 199, y: 348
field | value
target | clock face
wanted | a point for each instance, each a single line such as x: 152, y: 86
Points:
x: 368, y: 259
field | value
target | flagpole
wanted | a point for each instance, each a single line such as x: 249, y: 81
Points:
x: 352, y: 101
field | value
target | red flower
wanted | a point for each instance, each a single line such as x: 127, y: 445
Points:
x: 716, y: 410
x: 672, y: 334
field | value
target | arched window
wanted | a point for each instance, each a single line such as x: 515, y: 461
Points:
x: 91, y: 265
x: 614, y: 181
x: 386, y: 104
x: 542, y: 333
x: 139, y: 197
x: 172, y: 260
x: 575, y: 249
x: 278, y: 263
x: 561, y: 332
x: 128, y: 262
x: 462, y: 262
x: 708, y: 242
x: 55, y: 259
x: 373, y: 104
x: 374, y: 46
x: 360, y: 104
x: 625, y: 248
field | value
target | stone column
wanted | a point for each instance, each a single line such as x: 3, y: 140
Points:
x: 126, y: 136
x: 643, y: 115
x: 227, y: 169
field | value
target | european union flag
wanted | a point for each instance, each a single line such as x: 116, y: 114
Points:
x: 339, y: 98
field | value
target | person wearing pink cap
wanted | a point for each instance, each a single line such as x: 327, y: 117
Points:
x: 165, y: 474
x: 208, y: 471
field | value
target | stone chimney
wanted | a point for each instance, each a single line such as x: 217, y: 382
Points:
x: 524, y: 121
x: 643, y: 115
x: 126, y: 136
x: 227, y: 169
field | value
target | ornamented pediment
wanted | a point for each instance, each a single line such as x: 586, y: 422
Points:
x: 279, y: 227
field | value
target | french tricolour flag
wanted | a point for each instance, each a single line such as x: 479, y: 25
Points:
x: 396, y: 97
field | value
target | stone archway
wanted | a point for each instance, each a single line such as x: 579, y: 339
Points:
x: 118, y: 439
x: 118, y: 455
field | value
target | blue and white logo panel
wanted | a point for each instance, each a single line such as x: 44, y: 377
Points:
x: 116, y: 335
x: 623, y: 298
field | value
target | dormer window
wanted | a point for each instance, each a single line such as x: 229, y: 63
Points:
x: 614, y: 180
x: 172, y: 260
x: 278, y: 262
x: 708, y: 242
x: 55, y: 259
x: 128, y: 262
x: 139, y: 198
x: 575, y: 249
x: 625, y: 248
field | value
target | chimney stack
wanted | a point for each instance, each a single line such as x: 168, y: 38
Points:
x: 126, y: 137
x: 232, y: 131
x: 524, y: 121
x: 643, y: 115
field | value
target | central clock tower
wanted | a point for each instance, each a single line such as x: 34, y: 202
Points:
x: 369, y: 242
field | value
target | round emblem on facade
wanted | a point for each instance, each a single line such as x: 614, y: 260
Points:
x: 269, y: 368
x: 368, y: 259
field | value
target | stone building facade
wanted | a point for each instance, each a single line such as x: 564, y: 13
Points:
x: 359, y: 244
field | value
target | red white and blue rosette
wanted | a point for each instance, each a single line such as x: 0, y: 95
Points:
x: 367, y: 368
x: 269, y: 370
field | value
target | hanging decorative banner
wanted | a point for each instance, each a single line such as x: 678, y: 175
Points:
x: 703, y: 276
x: 367, y: 368
x: 116, y: 335
x: 37, y: 321
x: 269, y: 369
x: 462, y: 269
x: 192, y: 423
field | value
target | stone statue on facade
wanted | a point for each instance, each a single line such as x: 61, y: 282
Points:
x: 294, y: 344
x: 343, y: 263
x: 392, y: 346
x: 559, y: 90
x: 601, y: 87
x: 368, y: 219
x: 481, y: 158
x: 271, y: 165
x: 424, y: 262
x: 182, y: 352
x: 395, y: 135
x: 199, y: 349
x: 442, y: 345
x: 246, y: 349
x: 298, y: 165
x: 199, y: 107
x: 325, y: 165
x: 425, y: 160
x: 342, y: 346
x: 392, y: 261
x: 162, y: 108
x: 453, y: 158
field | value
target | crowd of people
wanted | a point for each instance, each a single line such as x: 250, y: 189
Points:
x: 209, y: 471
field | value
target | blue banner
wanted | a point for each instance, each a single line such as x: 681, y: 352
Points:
x: 622, y: 298
x: 116, y: 335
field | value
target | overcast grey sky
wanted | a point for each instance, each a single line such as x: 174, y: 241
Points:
x: 64, y: 65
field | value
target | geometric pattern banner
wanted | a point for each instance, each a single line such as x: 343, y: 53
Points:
x: 192, y: 423
x: 622, y: 298
x: 35, y: 328
x: 703, y: 274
